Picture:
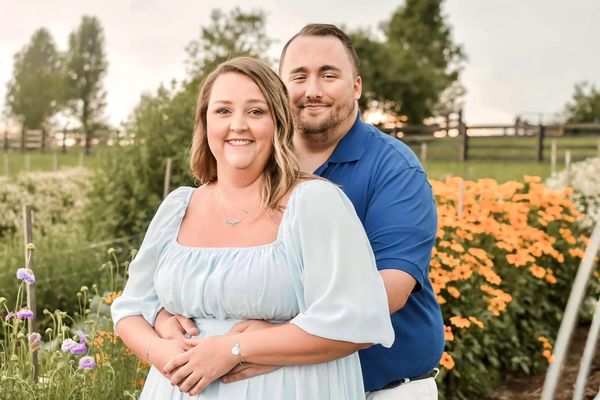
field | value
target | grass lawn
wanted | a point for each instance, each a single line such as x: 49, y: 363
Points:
x: 13, y: 162
x: 501, y: 158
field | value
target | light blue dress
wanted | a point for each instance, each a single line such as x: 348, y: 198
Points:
x: 319, y: 273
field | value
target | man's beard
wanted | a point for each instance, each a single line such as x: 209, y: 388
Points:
x: 320, y: 131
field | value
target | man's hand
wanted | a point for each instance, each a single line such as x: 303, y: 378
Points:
x: 169, y: 326
x: 245, y: 371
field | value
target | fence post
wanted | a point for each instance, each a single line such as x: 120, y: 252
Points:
x: 461, y: 195
x: 6, y: 171
x: 6, y: 141
x: 553, y: 158
x: 540, y: 143
x: 31, y: 304
x: 167, y: 181
x: 64, y: 140
x: 568, y: 160
x: 462, y: 131
x: 80, y: 159
x: 54, y: 161
x: 423, y: 152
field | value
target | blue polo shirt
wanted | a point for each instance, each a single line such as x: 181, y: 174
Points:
x: 392, y: 197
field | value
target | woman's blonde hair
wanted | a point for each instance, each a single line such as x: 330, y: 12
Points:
x: 282, y: 169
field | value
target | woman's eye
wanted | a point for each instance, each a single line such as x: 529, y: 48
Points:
x: 256, y: 112
x: 222, y: 111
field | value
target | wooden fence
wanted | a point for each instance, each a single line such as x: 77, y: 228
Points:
x: 515, y: 142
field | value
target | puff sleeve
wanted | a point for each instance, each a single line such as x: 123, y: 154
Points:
x: 340, y: 291
x: 139, y: 295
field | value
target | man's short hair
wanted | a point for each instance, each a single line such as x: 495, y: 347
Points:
x: 325, y: 30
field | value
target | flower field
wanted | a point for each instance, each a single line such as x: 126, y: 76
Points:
x: 505, y: 258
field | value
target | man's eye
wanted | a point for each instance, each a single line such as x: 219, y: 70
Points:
x: 298, y: 78
x: 329, y: 76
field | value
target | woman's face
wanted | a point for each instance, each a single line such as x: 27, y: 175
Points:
x: 240, y: 126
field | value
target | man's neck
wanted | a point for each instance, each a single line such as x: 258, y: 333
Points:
x: 312, y: 154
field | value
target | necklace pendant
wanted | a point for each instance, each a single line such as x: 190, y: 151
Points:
x: 232, y: 222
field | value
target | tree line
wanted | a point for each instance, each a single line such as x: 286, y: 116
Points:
x: 410, y: 67
x: 47, y: 81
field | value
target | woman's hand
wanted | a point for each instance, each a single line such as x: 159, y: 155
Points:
x: 164, y: 350
x: 208, y: 360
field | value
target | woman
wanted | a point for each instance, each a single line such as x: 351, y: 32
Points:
x: 255, y: 241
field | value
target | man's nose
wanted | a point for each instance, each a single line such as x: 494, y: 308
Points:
x: 313, y: 89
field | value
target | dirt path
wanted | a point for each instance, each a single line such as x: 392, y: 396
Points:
x: 530, y: 387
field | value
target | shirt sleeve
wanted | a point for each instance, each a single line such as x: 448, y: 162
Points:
x: 139, y: 295
x: 343, y: 293
x: 401, y: 223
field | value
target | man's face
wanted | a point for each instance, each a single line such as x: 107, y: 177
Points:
x: 322, y: 85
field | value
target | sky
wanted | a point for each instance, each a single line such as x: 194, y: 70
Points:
x: 524, y: 57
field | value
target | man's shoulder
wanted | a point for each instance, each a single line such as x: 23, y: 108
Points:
x: 387, y: 150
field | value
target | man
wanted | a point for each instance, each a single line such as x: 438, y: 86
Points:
x: 391, y: 195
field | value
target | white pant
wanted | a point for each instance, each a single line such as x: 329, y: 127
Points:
x: 424, y: 389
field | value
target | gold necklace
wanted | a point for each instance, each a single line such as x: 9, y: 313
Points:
x: 229, y: 221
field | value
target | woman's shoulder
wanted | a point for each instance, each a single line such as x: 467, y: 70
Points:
x: 317, y: 192
x: 175, y: 201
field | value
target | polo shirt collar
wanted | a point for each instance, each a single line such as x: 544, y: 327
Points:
x: 352, y: 145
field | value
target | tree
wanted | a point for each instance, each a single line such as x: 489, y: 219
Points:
x: 585, y: 105
x: 129, y: 186
x: 86, y: 66
x: 33, y: 92
x: 415, y: 66
x: 227, y: 36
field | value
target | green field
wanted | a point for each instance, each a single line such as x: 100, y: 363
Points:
x: 12, y: 163
x: 502, y: 158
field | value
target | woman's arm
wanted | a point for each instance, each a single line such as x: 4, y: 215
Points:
x: 140, y: 338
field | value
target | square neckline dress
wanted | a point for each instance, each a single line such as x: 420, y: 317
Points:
x: 319, y: 274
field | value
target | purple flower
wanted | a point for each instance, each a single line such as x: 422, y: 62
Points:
x: 82, y: 338
x: 87, y: 362
x: 78, y: 348
x: 67, y: 345
x: 25, y: 274
x: 35, y: 338
x: 25, y: 313
x: 9, y: 316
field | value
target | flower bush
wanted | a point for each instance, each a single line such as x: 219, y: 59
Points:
x: 58, y: 200
x: 502, y: 269
x: 91, y: 363
x: 584, y: 178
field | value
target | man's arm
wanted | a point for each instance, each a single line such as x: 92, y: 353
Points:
x: 398, y: 286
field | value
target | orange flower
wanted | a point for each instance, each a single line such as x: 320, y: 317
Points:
x: 447, y: 361
x: 452, y: 291
x: 576, y: 253
x: 537, y: 271
x: 448, y: 335
x: 476, y: 322
x: 109, y: 298
x: 460, y: 322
